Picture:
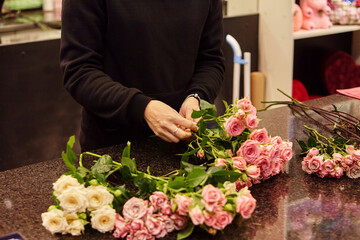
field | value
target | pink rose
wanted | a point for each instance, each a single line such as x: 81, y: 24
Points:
x: 264, y: 164
x: 180, y: 222
x: 315, y: 163
x: 353, y: 172
x: 222, y: 219
x: 136, y: 224
x: 260, y: 135
x: 241, y: 184
x: 158, y: 200
x: 276, y: 166
x: 240, y: 114
x: 245, y: 205
x: 244, y: 104
x: 339, y: 172
x: 182, y: 203
x: 233, y: 126
x: 253, y: 110
x: 135, y: 208
x: 200, y: 153
x: 154, y: 226
x: 239, y: 163
x: 121, y: 228
x: 305, y: 166
x: 253, y: 172
x: 328, y: 167
x: 273, y: 151
x: 337, y: 157
x: 313, y: 152
x: 141, y: 234
x: 275, y: 140
x: 286, y: 151
x: 251, y: 121
x: 348, y: 160
x: 220, y: 162
x: 169, y: 223
x: 350, y: 149
x: 196, y: 216
x: 166, y: 209
x: 209, y: 219
x: 249, y: 150
x: 212, y: 196
x: 356, y: 155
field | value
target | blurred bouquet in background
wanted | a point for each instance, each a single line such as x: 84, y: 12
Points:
x: 345, y: 12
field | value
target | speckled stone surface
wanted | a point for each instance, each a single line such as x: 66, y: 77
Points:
x: 292, y: 205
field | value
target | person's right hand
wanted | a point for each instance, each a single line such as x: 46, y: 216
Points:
x: 167, y: 123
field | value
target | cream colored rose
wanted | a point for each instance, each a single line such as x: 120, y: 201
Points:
x: 54, y: 221
x: 103, y: 219
x: 70, y: 217
x: 73, y: 199
x: 63, y: 183
x: 75, y: 228
x: 230, y: 188
x: 98, y: 196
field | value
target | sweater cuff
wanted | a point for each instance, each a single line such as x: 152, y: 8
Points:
x: 137, y: 107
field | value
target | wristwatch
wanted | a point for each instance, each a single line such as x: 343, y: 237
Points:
x: 194, y: 95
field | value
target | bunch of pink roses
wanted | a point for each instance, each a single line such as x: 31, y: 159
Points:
x: 152, y: 219
x: 258, y: 158
x: 236, y: 143
x: 143, y: 219
x: 335, y: 165
x: 330, y: 157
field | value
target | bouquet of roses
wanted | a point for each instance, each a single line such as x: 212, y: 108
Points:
x: 233, y: 142
x: 191, y: 196
x: 330, y: 157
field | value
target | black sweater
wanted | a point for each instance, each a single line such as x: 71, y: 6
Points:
x: 117, y: 55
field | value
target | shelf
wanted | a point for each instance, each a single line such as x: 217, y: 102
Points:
x: 323, y: 32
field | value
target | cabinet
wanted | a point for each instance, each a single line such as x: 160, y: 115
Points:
x: 276, y: 44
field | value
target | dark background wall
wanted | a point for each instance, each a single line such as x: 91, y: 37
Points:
x: 37, y: 115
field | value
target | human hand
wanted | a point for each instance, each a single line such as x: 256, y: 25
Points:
x: 167, y: 123
x: 189, y: 105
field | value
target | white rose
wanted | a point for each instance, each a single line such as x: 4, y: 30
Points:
x: 98, y: 196
x: 70, y: 217
x: 103, y: 219
x: 54, y: 221
x: 353, y: 172
x: 63, y: 183
x: 230, y: 188
x: 75, y: 228
x: 73, y: 199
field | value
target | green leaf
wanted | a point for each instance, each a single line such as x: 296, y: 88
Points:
x: 188, y: 167
x: 198, y: 114
x: 69, y: 152
x: 212, y: 170
x: 186, y: 232
x: 201, y: 127
x: 303, y: 146
x: 103, y: 164
x: 130, y: 163
x: 126, y: 151
x: 177, y: 183
x: 211, y: 109
x: 311, y: 142
x: 196, y: 176
x: 145, y: 185
x: 225, y: 175
x: 82, y: 171
x: 70, y: 165
x: 126, y: 173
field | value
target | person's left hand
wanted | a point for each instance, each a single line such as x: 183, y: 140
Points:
x: 187, y: 108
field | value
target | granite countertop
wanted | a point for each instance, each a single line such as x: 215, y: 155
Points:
x: 292, y: 205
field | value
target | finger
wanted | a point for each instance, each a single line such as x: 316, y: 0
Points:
x: 186, y: 123
x: 182, y: 134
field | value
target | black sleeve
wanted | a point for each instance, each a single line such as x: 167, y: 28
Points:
x: 210, y: 67
x: 81, y: 61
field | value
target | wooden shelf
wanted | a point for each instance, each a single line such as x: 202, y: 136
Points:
x: 323, y: 32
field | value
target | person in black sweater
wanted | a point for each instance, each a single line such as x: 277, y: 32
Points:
x: 138, y: 67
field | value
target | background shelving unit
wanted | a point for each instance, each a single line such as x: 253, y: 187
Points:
x: 276, y: 44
